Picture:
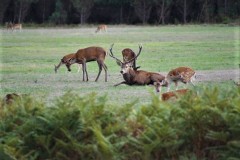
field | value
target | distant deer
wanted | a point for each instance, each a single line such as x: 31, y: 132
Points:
x: 180, y: 74
x: 100, y: 28
x: 65, y: 61
x: 9, y: 25
x: 135, y: 77
x: 13, y: 26
x: 82, y: 56
x: 128, y: 54
x: 174, y: 95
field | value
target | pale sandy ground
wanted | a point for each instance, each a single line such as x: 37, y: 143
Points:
x: 218, y: 75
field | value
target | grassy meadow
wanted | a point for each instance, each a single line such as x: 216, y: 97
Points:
x: 65, y: 118
x: 28, y: 57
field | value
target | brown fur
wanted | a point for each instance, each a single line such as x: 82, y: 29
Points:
x: 65, y: 61
x: 128, y: 54
x: 9, y: 98
x: 136, y: 77
x: 89, y: 54
x: 102, y: 27
x: 13, y: 26
x: 169, y: 95
x: 180, y: 74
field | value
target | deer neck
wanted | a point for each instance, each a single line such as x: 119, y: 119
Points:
x: 128, y: 77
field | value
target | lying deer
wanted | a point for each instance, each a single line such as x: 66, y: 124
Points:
x: 174, y: 95
x: 64, y: 60
x: 87, y: 55
x: 180, y: 74
x: 128, y: 54
x: 102, y: 27
x: 136, y: 77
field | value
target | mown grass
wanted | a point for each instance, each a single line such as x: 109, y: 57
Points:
x: 28, y: 57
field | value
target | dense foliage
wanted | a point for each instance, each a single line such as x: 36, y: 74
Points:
x: 202, y: 125
x: 119, y: 12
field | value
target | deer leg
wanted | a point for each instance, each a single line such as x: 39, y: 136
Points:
x: 105, y: 69
x: 123, y: 82
x: 176, y: 85
x: 100, y: 65
x: 84, y: 69
x: 79, y: 67
x: 191, y: 81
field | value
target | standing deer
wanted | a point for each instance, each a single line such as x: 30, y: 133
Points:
x: 87, y: 55
x: 65, y: 61
x: 180, y: 74
x: 128, y: 54
x: 135, y: 77
x: 102, y: 27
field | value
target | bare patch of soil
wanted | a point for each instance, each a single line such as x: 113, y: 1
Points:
x: 218, y: 75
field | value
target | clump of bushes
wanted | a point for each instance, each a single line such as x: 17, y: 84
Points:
x: 198, y: 126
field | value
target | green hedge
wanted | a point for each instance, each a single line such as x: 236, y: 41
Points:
x: 202, y: 125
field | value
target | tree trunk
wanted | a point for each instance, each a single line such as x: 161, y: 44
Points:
x: 20, y: 12
x: 44, y: 10
x: 225, y: 7
x: 162, y: 12
x: 185, y: 11
x: 121, y: 14
x: 3, y: 7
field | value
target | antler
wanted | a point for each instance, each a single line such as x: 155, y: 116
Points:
x: 140, y: 49
x: 111, y: 55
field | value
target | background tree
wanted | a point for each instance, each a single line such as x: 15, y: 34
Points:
x: 59, y: 16
x: 83, y: 9
x: 163, y: 9
x: 3, y: 7
x: 184, y: 6
x: 43, y: 10
x: 143, y: 9
x: 21, y: 8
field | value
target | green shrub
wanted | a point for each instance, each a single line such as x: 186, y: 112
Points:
x: 201, y: 125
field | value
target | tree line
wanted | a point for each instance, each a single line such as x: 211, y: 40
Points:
x: 119, y: 11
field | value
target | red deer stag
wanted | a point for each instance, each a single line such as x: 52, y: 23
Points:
x: 65, y: 61
x: 174, y: 95
x: 87, y: 55
x: 128, y: 54
x: 100, y: 28
x: 180, y: 74
x: 136, y: 77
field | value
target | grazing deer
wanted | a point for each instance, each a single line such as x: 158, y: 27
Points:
x: 180, y: 74
x: 87, y: 55
x: 13, y: 26
x: 136, y: 77
x: 100, y: 28
x: 17, y: 26
x: 65, y: 61
x: 128, y: 54
x: 174, y: 95
x: 9, y: 25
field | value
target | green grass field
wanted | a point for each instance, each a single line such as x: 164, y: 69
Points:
x: 28, y: 57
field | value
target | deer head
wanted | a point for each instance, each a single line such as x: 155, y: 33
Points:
x: 127, y: 65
